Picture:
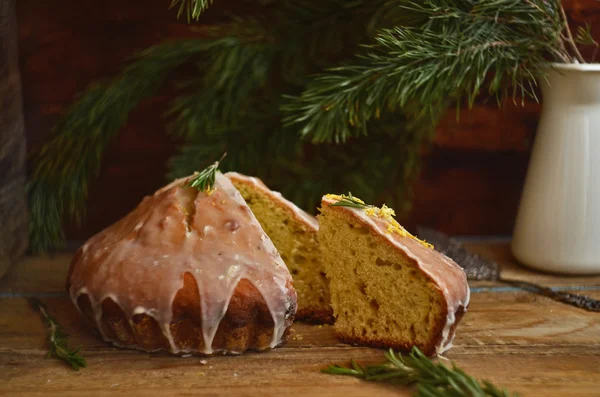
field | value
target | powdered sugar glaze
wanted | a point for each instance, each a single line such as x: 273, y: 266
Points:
x: 139, y: 262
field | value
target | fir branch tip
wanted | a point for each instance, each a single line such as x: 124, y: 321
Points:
x: 57, y: 338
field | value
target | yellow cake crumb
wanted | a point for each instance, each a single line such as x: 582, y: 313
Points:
x: 378, y: 293
x: 297, y: 243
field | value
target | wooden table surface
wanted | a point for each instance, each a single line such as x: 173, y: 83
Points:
x: 522, y: 341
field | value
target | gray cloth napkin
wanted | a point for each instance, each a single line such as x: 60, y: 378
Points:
x: 477, y: 267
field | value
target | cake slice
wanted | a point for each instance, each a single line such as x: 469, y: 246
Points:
x: 388, y: 288
x: 294, y: 234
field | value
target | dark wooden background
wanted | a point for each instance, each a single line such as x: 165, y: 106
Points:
x: 470, y: 184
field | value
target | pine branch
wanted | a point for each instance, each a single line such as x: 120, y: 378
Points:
x: 314, y: 35
x: 62, y: 168
x: 450, y: 57
x: 432, y: 379
x: 192, y: 8
x: 568, y: 38
x: 224, y: 82
x: 249, y: 138
x: 584, y: 37
x: 395, y: 91
x: 57, y: 338
x: 235, y: 74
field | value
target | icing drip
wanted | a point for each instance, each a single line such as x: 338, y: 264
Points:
x: 447, y: 275
x: 139, y: 262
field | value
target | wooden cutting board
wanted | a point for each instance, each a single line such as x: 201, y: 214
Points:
x: 515, y: 339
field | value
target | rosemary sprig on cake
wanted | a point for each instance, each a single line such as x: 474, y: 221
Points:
x: 349, y: 201
x: 57, y: 338
x: 432, y: 379
x: 205, y: 180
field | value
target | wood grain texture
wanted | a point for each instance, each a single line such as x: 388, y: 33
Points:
x: 524, y: 342
x: 539, y: 346
x: 464, y: 189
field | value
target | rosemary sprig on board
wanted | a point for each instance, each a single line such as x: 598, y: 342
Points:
x: 432, y: 379
x: 350, y: 201
x: 205, y: 180
x: 57, y: 338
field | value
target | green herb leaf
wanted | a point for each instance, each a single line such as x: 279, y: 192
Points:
x: 584, y: 36
x: 57, y: 338
x: 432, y: 379
x: 205, y: 180
x: 191, y: 8
x: 350, y: 201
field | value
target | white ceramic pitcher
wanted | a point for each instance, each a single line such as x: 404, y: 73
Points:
x: 558, y: 222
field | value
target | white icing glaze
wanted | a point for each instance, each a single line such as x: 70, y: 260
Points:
x: 139, y: 262
x: 447, y: 338
x: 297, y: 212
x: 445, y: 273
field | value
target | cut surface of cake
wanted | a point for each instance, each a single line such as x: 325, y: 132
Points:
x: 187, y: 271
x: 294, y: 233
x: 388, y: 288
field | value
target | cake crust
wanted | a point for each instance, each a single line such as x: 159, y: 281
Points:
x: 448, y: 278
x: 185, y: 272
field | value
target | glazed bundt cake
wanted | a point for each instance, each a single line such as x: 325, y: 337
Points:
x: 388, y: 289
x: 187, y: 271
x: 294, y: 233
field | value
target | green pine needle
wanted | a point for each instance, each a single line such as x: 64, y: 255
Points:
x: 223, y: 84
x: 57, y: 338
x: 584, y: 35
x: 192, y: 8
x: 63, y: 167
x: 463, y: 48
x: 432, y: 379
x: 250, y: 88
x: 204, y: 181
